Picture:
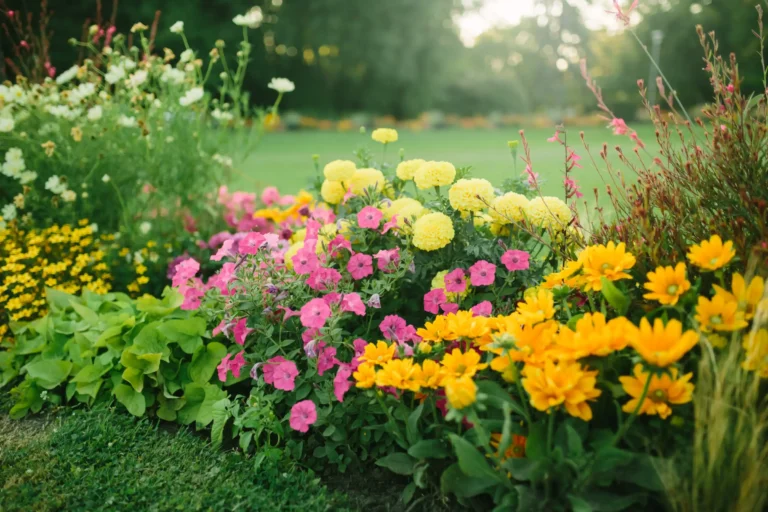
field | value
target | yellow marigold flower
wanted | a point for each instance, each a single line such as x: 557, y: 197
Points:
x: 365, y: 376
x: 748, y: 297
x: 562, y: 383
x: 756, y: 347
x: 549, y: 212
x: 663, y: 391
x: 719, y: 314
x: 610, y: 261
x: 431, y: 375
x: 434, y: 174
x: 400, y: 374
x: 666, y: 284
x: 437, y: 331
x: 458, y: 364
x: 661, y: 345
x: 537, y: 307
x: 332, y: 192
x: 384, y: 135
x: 711, y: 254
x: 508, y: 208
x: 339, y: 170
x: 406, y: 209
x: 567, y: 276
x: 433, y: 231
x: 470, y: 195
x: 366, y: 178
x: 499, y: 229
x: 461, y: 392
x: 407, y: 168
x: 594, y: 336
x: 377, y: 354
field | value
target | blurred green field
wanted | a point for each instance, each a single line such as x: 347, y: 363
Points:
x: 284, y: 159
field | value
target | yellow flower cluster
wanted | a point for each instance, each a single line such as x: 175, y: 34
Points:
x: 594, y: 262
x: 61, y: 257
x: 433, y: 231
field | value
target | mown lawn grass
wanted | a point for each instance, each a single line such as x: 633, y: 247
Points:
x: 101, y: 460
x: 284, y: 159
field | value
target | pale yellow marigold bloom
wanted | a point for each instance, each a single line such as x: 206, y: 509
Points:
x: 510, y: 207
x: 384, y: 135
x: 434, y: 174
x: 407, y: 168
x: 471, y: 195
x: 339, y: 170
x: 433, y: 231
x: 332, y: 192
x: 366, y: 178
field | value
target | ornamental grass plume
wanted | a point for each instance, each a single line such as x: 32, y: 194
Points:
x: 725, y: 467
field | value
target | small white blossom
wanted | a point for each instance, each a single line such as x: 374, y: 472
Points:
x: 55, y: 185
x: 105, y: 178
x: 128, y: 122
x: 27, y: 177
x: 6, y: 124
x: 67, y: 75
x: 145, y: 227
x: 5, y: 94
x: 13, y: 168
x: 95, y: 113
x: 138, y: 78
x: 115, y: 74
x: 68, y: 196
x: 178, y: 27
x: 192, y: 96
x: 222, y: 159
x: 173, y: 75
x: 138, y: 258
x: 186, y: 56
x: 94, y: 228
x: 19, y: 95
x: 251, y: 19
x: 220, y: 115
x: 281, y: 85
x: 8, y: 212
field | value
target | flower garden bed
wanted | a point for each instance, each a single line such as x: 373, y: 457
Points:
x: 483, y: 341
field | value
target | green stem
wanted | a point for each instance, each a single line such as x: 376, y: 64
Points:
x: 551, y: 429
x: 522, y: 395
x: 624, y: 428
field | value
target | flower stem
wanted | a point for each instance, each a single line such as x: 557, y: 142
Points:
x: 551, y: 429
x: 624, y: 428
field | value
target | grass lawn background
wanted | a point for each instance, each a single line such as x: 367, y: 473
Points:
x: 284, y: 159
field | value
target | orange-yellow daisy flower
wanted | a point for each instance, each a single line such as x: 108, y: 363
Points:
x: 458, y: 364
x: 719, y: 314
x: 748, y: 297
x: 667, y: 284
x: 610, y: 261
x: 663, y: 391
x: 661, y: 345
x: 711, y: 254
x: 564, y: 383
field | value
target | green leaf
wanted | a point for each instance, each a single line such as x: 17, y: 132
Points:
x: 146, y: 363
x: 205, y: 360
x: 89, y: 388
x: 412, y: 425
x: 524, y: 469
x: 57, y: 299
x: 429, y: 449
x: 578, y: 504
x: 497, y: 396
x: 91, y: 372
x: 186, y: 332
x: 168, y: 407
x: 615, y: 297
x: 408, y: 492
x: 609, y: 458
x: 454, y: 481
x: 536, y: 444
x: 400, y: 463
x: 171, y: 301
x: 48, y: 373
x: 603, y: 501
x: 135, y: 377
x: 149, y: 341
x: 471, y: 461
x: 642, y: 472
x: 90, y: 316
x: 132, y: 400
x: 212, y: 394
x: 194, y: 394
x: 220, y: 414
x: 575, y: 448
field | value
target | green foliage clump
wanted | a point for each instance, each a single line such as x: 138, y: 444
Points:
x: 99, y: 460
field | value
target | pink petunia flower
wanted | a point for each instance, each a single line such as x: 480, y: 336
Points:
x: 185, y: 271
x: 303, y: 415
x: 284, y: 376
x: 192, y: 298
x: 341, y: 382
x: 241, y: 331
x: 225, y: 251
x: 390, y: 224
x: 482, y: 273
x: 339, y: 243
x: 619, y: 126
x: 311, y: 339
x: 269, y: 369
x: 433, y: 300
x: 351, y: 303
x: 305, y: 260
x: 250, y: 243
x: 387, y: 260
x: 326, y: 359
x: 449, y: 307
x: 393, y: 327
x: 234, y: 365
x: 322, y: 279
x: 222, y: 328
x: 270, y: 195
x: 332, y: 298
x: 515, y: 260
x: 485, y: 308
x: 314, y: 313
x: 369, y: 217
x: 360, y: 265
x: 455, y: 281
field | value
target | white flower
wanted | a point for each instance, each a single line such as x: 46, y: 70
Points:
x: 5, y: 94
x: 187, y: 55
x: 178, y: 27
x: 138, y: 258
x: 115, y: 74
x: 251, y: 19
x: 222, y: 159
x: 68, y: 196
x: 105, y: 178
x: 6, y: 124
x: 8, y: 212
x: 84, y: 194
x: 67, y: 75
x: 281, y: 85
x: 94, y: 228
x: 128, y: 122
x: 13, y: 168
x: 55, y: 185
x: 220, y: 115
x: 145, y: 227
x: 193, y: 95
x: 82, y: 91
x: 129, y: 64
x: 13, y: 155
x: 173, y: 75
x: 18, y: 94
x: 95, y: 113
x: 27, y: 177
x: 48, y: 128
x: 138, y: 78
